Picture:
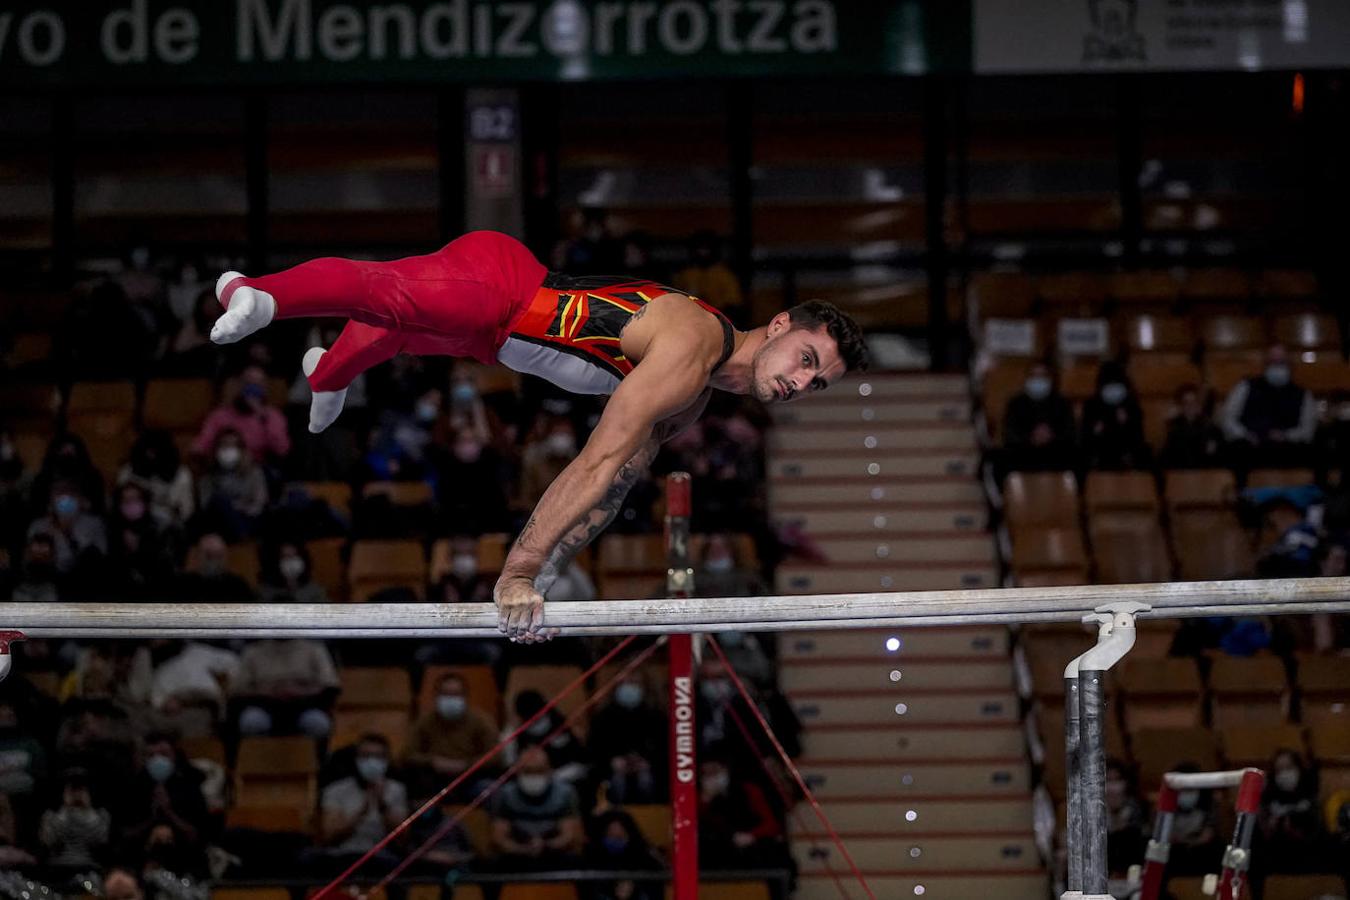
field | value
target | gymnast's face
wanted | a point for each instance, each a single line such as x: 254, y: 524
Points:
x: 793, y: 362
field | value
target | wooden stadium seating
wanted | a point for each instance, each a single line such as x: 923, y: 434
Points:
x: 731, y: 890
x: 1185, y: 489
x: 1324, y: 689
x: 1155, y: 334
x: 653, y: 820
x: 1267, y: 478
x: 275, y: 771
x: 1216, y: 286
x: 1160, y: 378
x: 537, y: 891
x: 1041, y: 498
x: 375, y: 687
x: 207, y: 748
x: 272, y: 819
x: 1186, y: 888
x: 1079, y: 292
x: 1228, y: 333
x: 350, y: 725
x: 1304, y: 887
x: 466, y: 892
x: 337, y: 494
x: 1330, y: 743
x: 326, y: 566
x: 630, y: 565
x: 1155, y: 289
x: 1323, y: 372
x: 101, y: 397
x: 1160, y: 750
x: 400, y: 493
x: 1223, y: 372
x: 1001, y: 383
x: 1210, y: 545
x: 479, y: 682
x: 1120, y: 491
x: 177, y: 404
x: 424, y: 892
x: 251, y: 893
x: 1307, y: 331
x: 1078, y: 378
x: 1287, y: 284
x: 477, y: 825
x: 1248, y: 690
x: 548, y: 681
x: 1002, y: 295
x: 1128, y: 547
x: 24, y: 401
x: 1160, y: 693
x: 1255, y: 745
x: 380, y: 564
x: 109, y: 435
x: 244, y: 562
x: 1154, y: 638
x: 1047, y: 549
x: 493, y: 547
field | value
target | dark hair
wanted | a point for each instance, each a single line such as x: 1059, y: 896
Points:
x: 451, y: 676
x: 848, y: 337
x: 374, y: 737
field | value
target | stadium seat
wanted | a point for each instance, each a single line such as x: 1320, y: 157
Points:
x: 1002, y: 295
x: 548, y: 681
x: 274, y: 819
x: 537, y: 891
x: 1307, y: 331
x: 1287, y: 284
x: 375, y: 687
x: 101, y: 397
x: 378, y: 565
x: 244, y: 561
x: 1160, y: 693
x: 206, y: 748
x: 1160, y: 750
x: 25, y: 401
x: 1043, y: 549
x: 337, y: 494
x: 26, y: 348
x: 1120, y: 491
x: 400, y: 493
x: 492, y: 550
x: 251, y: 893
x: 326, y: 566
x: 1201, y: 286
x: 1002, y: 382
x: 1248, y: 690
x: 1223, y: 372
x: 177, y: 404
x: 1322, y: 684
x: 478, y: 681
x: 653, y: 820
x: 731, y: 890
x: 275, y: 771
x: 1154, y: 638
x: 1078, y: 378
x: 467, y: 892
x: 350, y: 725
x: 1190, y: 489
x: 1223, y: 334
x: 630, y: 565
x: 477, y: 825
x: 1154, y: 334
x: 1323, y: 372
x: 1072, y: 292
x: 1053, y: 578
x: 1211, y: 545
x: 1128, y: 547
x: 424, y: 892
x: 1041, y: 498
x: 1155, y: 290
x: 109, y: 435
x: 1330, y: 743
x: 1186, y: 888
x: 1255, y: 745
x: 1160, y: 378
x: 1304, y: 887
x: 1157, y: 412
x: 1278, y: 478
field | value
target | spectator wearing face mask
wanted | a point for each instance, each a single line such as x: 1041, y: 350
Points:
x: 536, y: 819
x: 464, y: 582
x: 191, y: 353
x: 1193, y: 440
x: 155, y: 465
x: 76, y: 834
x: 121, y: 883
x: 23, y: 765
x: 472, y: 494
x: 285, y: 687
x: 721, y: 573
x: 232, y: 492
x: 141, y: 556
x: 166, y: 791
x: 545, y: 458
x: 356, y: 812
x: 1195, y: 836
x: 286, y: 576
x: 78, y: 536
x: 67, y: 460
x: 447, y: 739
x: 1125, y: 821
x: 1290, y: 821
x: 747, y: 657
x: 737, y: 828
x: 618, y: 845
x: 261, y: 427
x: 208, y: 578
x: 566, y: 756
x: 189, y: 683
x: 1113, y: 423
x: 1269, y: 420
x: 629, y: 738
x: 719, y: 705
x: 39, y: 580
x: 1038, y: 426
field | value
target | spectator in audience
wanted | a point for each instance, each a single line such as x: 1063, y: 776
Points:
x: 447, y: 739
x: 1125, y: 822
x: 629, y: 738
x: 208, y: 578
x: 566, y: 756
x: 141, y: 555
x: 78, y: 535
x: 166, y: 791
x: 156, y: 467
x: 356, y: 812
x: 122, y: 883
x: 191, y: 354
x: 1269, y: 420
x: 572, y: 584
x: 67, y: 459
x: 76, y: 833
x: 1193, y: 440
x: 117, y: 671
x: 1113, y: 423
x: 1038, y: 426
x: 464, y: 583
x: 536, y: 819
x: 105, y: 336
x: 720, y: 705
x: 1333, y: 441
x: 1290, y: 820
x: 13, y: 856
x: 448, y: 851
x: 39, y: 580
x: 260, y: 426
x: 737, y: 826
x: 618, y: 845
x: 1195, y: 836
x: 97, y: 735
x: 471, y: 491
x: 399, y: 447
x: 184, y: 290
x: 545, y: 458
x: 232, y: 492
x: 287, y: 577
x: 285, y: 687
x: 637, y: 257
x: 189, y: 684
x: 594, y: 251
x: 722, y: 573
x: 746, y: 654
x: 23, y: 764
x: 709, y: 278
x: 1292, y: 542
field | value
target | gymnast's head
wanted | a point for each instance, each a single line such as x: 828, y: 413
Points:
x: 806, y: 349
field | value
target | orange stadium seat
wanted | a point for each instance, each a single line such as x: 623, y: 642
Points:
x: 1277, y: 478
x: 274, y: 819
x: 327, y: 568
x: 1160, y: 693
x: 276, y: 771
x: 1248, y: 691
x: 337, y: 494
x: 1154, y: 334
x: 1287, y: 284
x: 653, y: 820
x: 1047, y: 548
x: 1120, y: 491
x: 375, y: 687
x: 350, y: 725
x: 479, y: 682
x: 1078, y: 378
x: 1228, y: 333
x: 1225, y: 371
x: 1154, y: 638
x: 1001, y: 383
x: 1256, y: 745
x: 177, y: 404
x: 1303, y: 887
x: 1073, y: 293
x: 378, y: 565
x: 1324, y: 689
x: 1154, y: 290
x: 101, y: 397
x: 109, y: 435
x: 400, y: 493
x: 467, y: 891
x: 631, y: 565
x: 1216, y: 286
x: 1160, y: 750
x: 730, y: 890
x: 549, y: 681
x: 251, y: 893
x: 1322, y: 372
x: 1128, y: 547
x: 536, y: 891
x: 1041, y: 498
x: 1189, y: 489
x: 1002, y: 295
x: 1211, y: 545
x: 1330, y: 744
x: 1160, y: 377
x: 1307, y: 331
x: 1187, y: 888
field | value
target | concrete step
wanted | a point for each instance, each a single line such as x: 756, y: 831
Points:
x: 970, y: 815
x: 974, y: 707
x: 882, y: 412
x: 1031, y: 884
x: 791, y: 494
x: 886, y: 521
x: 974, y: 641
x: 796, y: 578
x: 914, y: 743
x: 894, y: 782
x: 788, y: 467
x: 862, y: 439
x: 886, y: 854
x: 894, y: 677
x: 977, y: 549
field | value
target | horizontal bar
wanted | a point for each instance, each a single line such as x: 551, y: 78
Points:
x: 622, y: 617
x: 1200, y: 781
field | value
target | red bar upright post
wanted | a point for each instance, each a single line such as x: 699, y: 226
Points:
x: 683, y: 734
x: 1237, y: 856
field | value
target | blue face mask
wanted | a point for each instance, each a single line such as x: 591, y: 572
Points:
x: 66, y: 505
x: 1038, y: 388
x: 463, y: 392
x: 253, y: 392
x: 159, y: 767
x: 615, y: 844
x: 1277, y: 375
x: 629, y: 696
x: 1115, y: 393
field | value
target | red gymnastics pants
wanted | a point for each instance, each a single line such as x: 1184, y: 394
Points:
x: 459, y: 301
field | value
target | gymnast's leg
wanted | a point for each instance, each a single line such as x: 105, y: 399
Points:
x: 358, y: 347
x: 320, y: 287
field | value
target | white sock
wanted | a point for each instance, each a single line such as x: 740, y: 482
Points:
x: 250, y: 309
x: 324, y: 406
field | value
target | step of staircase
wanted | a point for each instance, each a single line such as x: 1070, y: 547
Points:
x: 798, y: 578
x: 948, y: 708
x: 985, y: 642
x: 883, y: 783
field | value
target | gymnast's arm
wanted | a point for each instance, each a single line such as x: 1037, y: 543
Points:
x: 597, y: 520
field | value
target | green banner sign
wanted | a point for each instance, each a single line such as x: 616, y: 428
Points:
x: 229, y: 42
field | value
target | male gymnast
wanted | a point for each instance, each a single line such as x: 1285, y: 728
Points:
x: 657, y: 351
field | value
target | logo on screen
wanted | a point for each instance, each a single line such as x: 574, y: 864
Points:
x: 1114, y: 37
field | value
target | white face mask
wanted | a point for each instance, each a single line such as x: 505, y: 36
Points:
x: 464, y: 565
x: 561, y: 444
x: 1115, y: 393
x: 292, y: 567
x: 229, y: 456
x: 1188, y: 800
x: 717, y: 784
x: 1287, y: 779
x: 715, y: 690
x: 629, y: 696
x: 451, y: 707
x: 719, y: 565
x: 427, y: 411
x: 533, y: 785
x: 1277, y: 374
x: 1038, y: 387
x: 372, y: 768
x: 540, y: 728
